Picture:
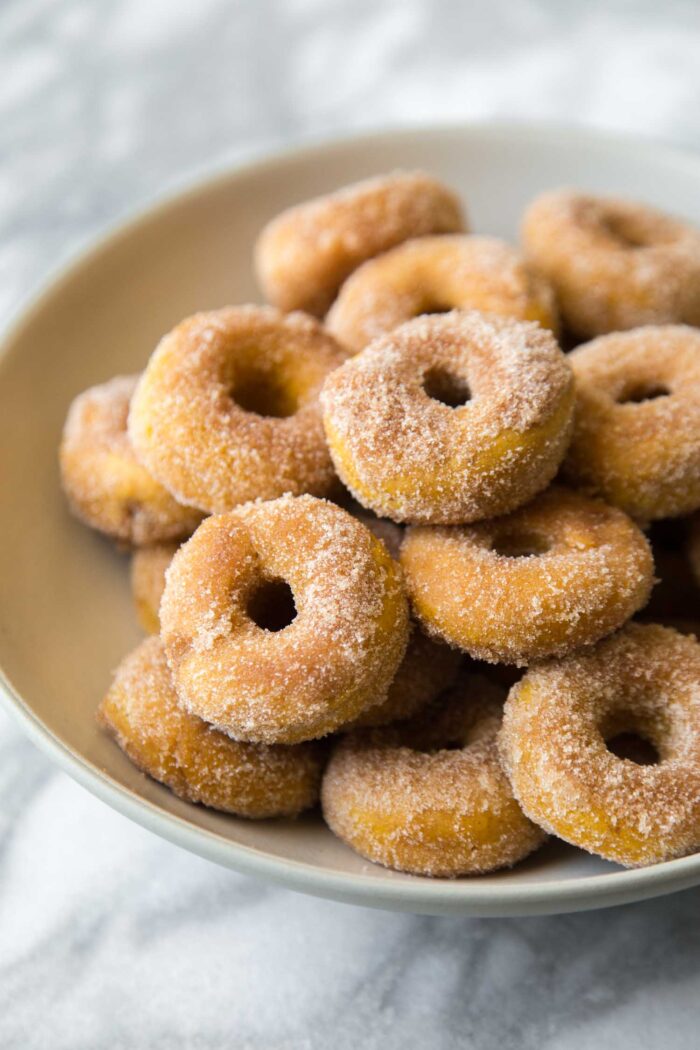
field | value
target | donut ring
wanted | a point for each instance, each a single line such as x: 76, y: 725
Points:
x: 435, y: 274
x: 553, y: 745
x: 403, y: 451
x: 614, y: 264
x: 429, y: 796
x: 283, y: 620
x: 148, y: 568
x: 636, y: 439
x: 106, y: 486
x: 197, y: 763
x: 554, y: 575
x: 227, y: 409
x: 303, y: 256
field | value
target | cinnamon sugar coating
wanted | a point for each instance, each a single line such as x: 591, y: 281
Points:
x: 142, y: 713
x: 303, y: 255
x: 429, y: 796
x: 636, y: 439
x: 643, y: 680
x: 436, y: 274
x: 107, y: 487
x: 148, y: 568
x: 227, y: 409
x: 262, y: 676
x: 410, y: 456
x: 614, y: 264
x: 559, y: 573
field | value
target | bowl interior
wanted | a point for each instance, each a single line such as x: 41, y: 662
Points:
x: 65, y: 615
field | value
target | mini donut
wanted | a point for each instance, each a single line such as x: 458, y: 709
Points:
x: 554, y: 575
x: 433, y: 275
x: 283, y: 620
x: 636, y: 438
x: 450, y: 418
x: 427, y: 669
x: 429, y: 796
x: 227, y: 409
x: 107, y: 487
x: 644, y: 680
x: 148, y: 568
x: 196, y: 762
x: 303, y: 256
x: 614, y: 264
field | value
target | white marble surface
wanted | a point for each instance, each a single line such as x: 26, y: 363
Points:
x: 110, y: 937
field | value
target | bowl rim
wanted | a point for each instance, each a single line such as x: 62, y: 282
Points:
x: 458, y: 896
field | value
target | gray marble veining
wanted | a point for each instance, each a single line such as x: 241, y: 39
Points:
x: 110, y: 937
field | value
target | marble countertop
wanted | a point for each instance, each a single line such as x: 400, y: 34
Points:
x: 110, y: 937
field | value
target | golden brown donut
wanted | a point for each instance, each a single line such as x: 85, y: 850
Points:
x: 227, y: 409
x: 434, y: 275
x: 303, y: 255
x: 283, y: 620
x: 199, y: 764
x: 450, y: 418
x: 643, y: 680
x: 148, y: 568
x: 429, y: 796
x: 614, y: 264
x: 107, y: 487
x: 636, y: 439
x: 554, y: 575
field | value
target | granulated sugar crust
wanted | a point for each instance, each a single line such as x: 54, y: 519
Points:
x: 411, y: 458
x: 614, y: 264
x: 334, y: 660
x: 303, y: 255
x: 559, y: 573
x: 142, y: 713
x: 107, y: 487
x: 644, y: 679
x: 428, y: 796
x: 197, y: 440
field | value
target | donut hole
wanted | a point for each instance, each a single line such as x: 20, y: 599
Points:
x: 263, y: 394
x: 625, y: 231
x: 520, y: 544
x: 447, y: 387
x: 271, y: 605
x: 640, y: 392
x: 634, y: 747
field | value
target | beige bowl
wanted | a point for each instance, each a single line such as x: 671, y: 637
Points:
x: 65, y: 612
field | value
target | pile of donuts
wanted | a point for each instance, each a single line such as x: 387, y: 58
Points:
x: 394, y: 534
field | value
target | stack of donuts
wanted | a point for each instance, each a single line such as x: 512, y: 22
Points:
x: 394, y: 548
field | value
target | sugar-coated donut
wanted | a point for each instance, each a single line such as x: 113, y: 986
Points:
x: 227, y: 409
x: 644, y: 680
x: 303, y: 255
x: 429, y: 796
x: 148, y: 568
x: 283, y: 620
x: 636, y: 439
x: 107, y: 487
x: 559, y: 573
x: 614, y: 264
x: 450, y: 418
x: 427, y: 669
x: 199, y: 764
x: 433, y: 275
